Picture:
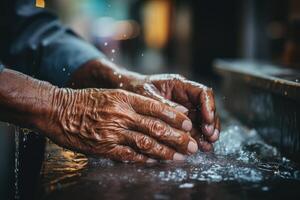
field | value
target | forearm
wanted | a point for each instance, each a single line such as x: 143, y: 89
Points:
x: 23, y: 100
x: 104, y: 74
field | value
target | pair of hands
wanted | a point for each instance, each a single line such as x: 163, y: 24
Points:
x: 159, y: 117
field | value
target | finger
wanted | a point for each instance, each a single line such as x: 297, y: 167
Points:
x: 207, y: 103
x: 146, y: 145
x: 149, y: 107
x: 192, y: 94
x: 218, y: 123
x: 214, y: 137
x: 207, y: 111
x: 206, y: 146
x: 162, y: 132
x: 152, y: 92
x: 216, y: 133
x: 202, y: 144
x: 202, y: 98
x: 127, y: 154
x: 207, y: 129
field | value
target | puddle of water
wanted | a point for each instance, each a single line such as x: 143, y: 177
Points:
x: 242, y: 165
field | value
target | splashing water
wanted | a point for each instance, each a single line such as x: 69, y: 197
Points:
x: 240, y: 157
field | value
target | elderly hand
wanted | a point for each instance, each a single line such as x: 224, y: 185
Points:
x: 191, y: 98
x: 119, y: 125
x: 198, y: 101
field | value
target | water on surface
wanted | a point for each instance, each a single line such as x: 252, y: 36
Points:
x: 242, y: 167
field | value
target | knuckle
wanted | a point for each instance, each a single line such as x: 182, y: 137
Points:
x: 157, y: 128
x: 165, y: 153
x: 145, y: 143
x: 125, y: 154
x: 182, y: 138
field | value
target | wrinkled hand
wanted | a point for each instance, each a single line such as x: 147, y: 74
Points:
x: 119, y: 125
x: 198, y: 101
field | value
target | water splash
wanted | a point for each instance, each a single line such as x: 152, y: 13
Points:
x: 240, y: 156
x: 17, y: 155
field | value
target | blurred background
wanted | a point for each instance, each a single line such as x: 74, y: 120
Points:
x: 178, y: 36
x: 186, y: 37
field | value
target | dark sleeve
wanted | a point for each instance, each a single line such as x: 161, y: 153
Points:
x: 36, y: 43
x: 1, y: 67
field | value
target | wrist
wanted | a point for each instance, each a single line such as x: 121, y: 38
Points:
x: 49, y: 120
x: 44, y: 109
x: 102, y: 73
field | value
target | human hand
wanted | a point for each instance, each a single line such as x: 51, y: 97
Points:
x: 197, y: 99
x: 119, y: 125
x: 186, y: 96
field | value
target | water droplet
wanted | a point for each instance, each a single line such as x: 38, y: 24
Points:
x: 120, y: 76
x: 105, y: 43
x: 265, y: 188
x: 115, y: 73
x: 112, y: 59
x: 285, y: 93
x: 142, y: 55
x: 186, y: 185
x: 121, y: 84
x: 113, y: 51
x: 64, y: 69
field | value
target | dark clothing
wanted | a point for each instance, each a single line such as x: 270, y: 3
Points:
x: 33, y: 41
x: 1, y: 67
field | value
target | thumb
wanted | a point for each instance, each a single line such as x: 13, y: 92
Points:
x: 152, y: 92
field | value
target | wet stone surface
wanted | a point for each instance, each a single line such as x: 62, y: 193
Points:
x: 242, y: 167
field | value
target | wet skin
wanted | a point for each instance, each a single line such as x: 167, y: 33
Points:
x: 159, y: 117
x: 190, y: 98
x: 116, y: 124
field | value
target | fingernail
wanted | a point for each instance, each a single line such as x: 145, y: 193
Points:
x: 216, y: 133
x: 187, y: 125
x: 182, y: 109
x: 209, y: 129
x: 178, y: 157
x: 150, y: 160
x: 192, y: 147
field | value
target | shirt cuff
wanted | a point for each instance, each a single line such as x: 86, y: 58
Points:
x: 62, y: 56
